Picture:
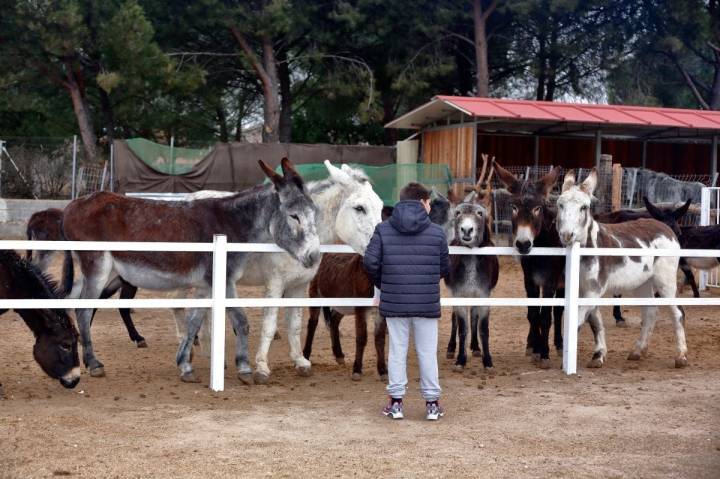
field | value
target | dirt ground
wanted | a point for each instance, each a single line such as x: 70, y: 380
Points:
x: 627, y: 419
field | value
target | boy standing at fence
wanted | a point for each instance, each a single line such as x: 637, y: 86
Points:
x: 406, y: 258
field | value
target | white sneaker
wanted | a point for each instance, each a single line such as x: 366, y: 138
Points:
x: 433, y: 411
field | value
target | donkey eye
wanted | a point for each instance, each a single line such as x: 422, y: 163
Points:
x: 66, y: 348
x: 360, y: 209
x: 537, y: 210
x: 583, y: 208
x: 514, y: 209
x: 295, y: 217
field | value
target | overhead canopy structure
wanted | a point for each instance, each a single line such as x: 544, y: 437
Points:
x: 452, y: 127
x: 555, y: 118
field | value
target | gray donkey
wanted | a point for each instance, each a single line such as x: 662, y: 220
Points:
x: 472, y: 276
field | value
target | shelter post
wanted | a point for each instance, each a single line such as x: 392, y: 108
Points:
x: 2, y: 146
x: 536, y: 152
x: 617, y: 173
x: 644, y: 154
x: 598, y: 148
x: 112, y: 165
x: 713, y: 156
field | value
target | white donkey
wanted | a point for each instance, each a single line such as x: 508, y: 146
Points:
x: 348, y: 211
x: 601, y: 275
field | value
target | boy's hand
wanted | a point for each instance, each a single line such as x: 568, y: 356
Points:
x: 376, y: 298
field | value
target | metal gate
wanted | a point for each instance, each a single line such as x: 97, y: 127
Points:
x: 710, y: 215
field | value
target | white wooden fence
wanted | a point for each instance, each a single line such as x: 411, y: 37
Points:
x: 710, y: 215
x: 218, y: 301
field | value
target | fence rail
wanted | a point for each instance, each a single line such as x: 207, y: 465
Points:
x: 218, y: 302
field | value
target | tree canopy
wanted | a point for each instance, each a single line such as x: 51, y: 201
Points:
x: 333, y: 71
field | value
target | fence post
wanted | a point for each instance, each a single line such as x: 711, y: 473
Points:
x: 705, y: 205
x: 219, y: 294
x: 570, y: 325
x: 112, y: 164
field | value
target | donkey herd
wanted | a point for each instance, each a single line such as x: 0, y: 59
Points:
x: 298, y: 217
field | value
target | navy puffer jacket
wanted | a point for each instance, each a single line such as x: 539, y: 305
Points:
x: 406, y: 258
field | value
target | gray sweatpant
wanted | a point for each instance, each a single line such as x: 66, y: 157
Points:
x: 425, y: 333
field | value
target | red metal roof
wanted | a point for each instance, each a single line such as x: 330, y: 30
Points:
x: 542, y: 111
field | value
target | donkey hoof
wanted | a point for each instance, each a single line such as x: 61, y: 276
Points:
x: 277, y: 336
x: 98, y: 372
x: 681, y: 362
x: 384, y: 378
x: 304, y: 371
x: 634, y: 356
x: 189, y: 378
x: 535, y: 357
x: 528, y: 351
x: 596, y: 363
x: 458, y: 368
x: 246, y: 378
x: 260, y: 378
x: 544, y: 363
x: 621, y: 323
x: 477, y: 354
x: 340, y: 361
x: 356, y: 376
x: 450, y: 355
x: 142, y: 344
x: 196, y: 341
x: 559, y: 352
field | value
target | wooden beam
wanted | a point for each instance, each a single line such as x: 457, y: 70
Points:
x: 616, y: 186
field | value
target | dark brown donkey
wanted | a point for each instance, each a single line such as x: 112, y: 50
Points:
x: 343, y: 276
x: 46, y: 225
x: 279, y: 212
x: 533, y: 224
x: 55, y: 349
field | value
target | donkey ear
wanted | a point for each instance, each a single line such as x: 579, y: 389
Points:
x: 452, y: 197
x: 548, y: 181
x: 278, y: 180
x: 508, y: 179
x: 336, y: 174
x: 590, y: 183
x: 680, y: 212
x: 654, y: 211
x: 289, y: 169
x: 569, y: 181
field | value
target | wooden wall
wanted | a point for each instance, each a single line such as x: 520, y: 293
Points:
x: 677, y: 158
x: 453, y: 147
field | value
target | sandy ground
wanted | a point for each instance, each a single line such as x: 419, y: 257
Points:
x: 628, y: 419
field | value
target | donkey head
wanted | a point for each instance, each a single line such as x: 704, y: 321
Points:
x: 528, y: 202
x: 56, y: 346
x: 574, y: 208
x: 670, y: 218
x: 294, y: 225
x: 470, y: 224
x: 360, y: 208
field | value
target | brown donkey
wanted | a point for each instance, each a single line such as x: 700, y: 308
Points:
x: 343, y: 276
x: 280, y: 212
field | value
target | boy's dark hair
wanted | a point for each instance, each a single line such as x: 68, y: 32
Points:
x: 414, y: 191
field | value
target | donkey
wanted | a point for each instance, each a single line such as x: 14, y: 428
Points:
x: 670, y: 218
x: 600, y: 275
x: 533, y: 224
x: 690, y: 237
x: 46, y: 225
x: 356, y: 283
x: 344, y: 276
x: 472, y: 276
x: 281, y: 212
x: 348, y: 209
x: 56, y: 348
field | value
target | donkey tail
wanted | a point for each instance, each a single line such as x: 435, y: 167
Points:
x: 68, y: 268
x: 28, y: 253
x: 327, y: 315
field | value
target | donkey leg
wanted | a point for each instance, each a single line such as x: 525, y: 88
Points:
x: 484, y: 313
x: 689, y: 277
x: 96, y: 270
x: 380, y: 333
x: 193, y: 322
x: 533, y: 339
x: 474, y: 321
x: 293, y: 318
x: 545, y: 321
x: 452, y: 345
x: 667, y: 290
x: 310, y: 335
x: 128, y: 291
x: 649, y: 317
x: 334, y: 323
x: 461, y: 361
x: 360, y: 342
x: 600, y: 352
x: 557, y: 326
x: 270, y: 317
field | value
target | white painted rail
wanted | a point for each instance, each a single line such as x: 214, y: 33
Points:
x: 218, y: 302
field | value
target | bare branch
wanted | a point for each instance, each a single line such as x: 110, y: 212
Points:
x: 252, y: 57
x: 489, y: 10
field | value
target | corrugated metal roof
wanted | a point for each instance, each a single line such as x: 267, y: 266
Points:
x: 524, y: 111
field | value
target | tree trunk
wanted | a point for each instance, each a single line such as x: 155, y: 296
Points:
x: 285, y: 98
x: 267, y: 73
x: 108, y: 116
x: 553, y: 58
x: 222, y: 122
x: 715, y: 91
x: 240, y: 116
x: 482, y: 76
x: 87, y: 134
